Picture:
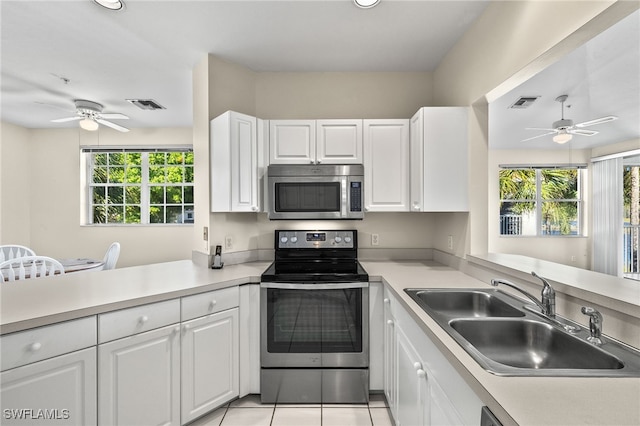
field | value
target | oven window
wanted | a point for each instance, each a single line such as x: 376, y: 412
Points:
x: 307, y: 197
x: 314, y: 321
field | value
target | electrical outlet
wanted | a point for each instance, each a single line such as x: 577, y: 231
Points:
x: 574, y: 259
x: 205, y: 233
x: 228, y: 242
x: 450, y: 242
x: 375, y: 239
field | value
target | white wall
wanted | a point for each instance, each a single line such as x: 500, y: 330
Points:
x: 48, y: 193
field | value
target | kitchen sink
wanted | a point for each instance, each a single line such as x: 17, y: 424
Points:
x: 465, y: 303
x: 508, y: 337
x: 532, y: 344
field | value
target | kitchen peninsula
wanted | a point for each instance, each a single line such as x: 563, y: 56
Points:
x: 33, y: 306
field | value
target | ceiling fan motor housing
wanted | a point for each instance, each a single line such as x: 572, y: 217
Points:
x: 563, y: 124
x: 88, y: 107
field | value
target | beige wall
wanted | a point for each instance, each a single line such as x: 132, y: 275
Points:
x: 49, y: 218
x: 15, y: 184
x: 510, y: 42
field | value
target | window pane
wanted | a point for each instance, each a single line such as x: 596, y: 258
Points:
x: 115, y: 214
x: 99, y: 214
x: 174, y: 195
x: 156, y: 194
x: 99, y: 195
x: 134, y: 158
x: 188, y: 194
x: 188, y: 158
x: 559, y: 184
x: 116, y: 158
x: 116, y: 174
x: 99, y: 159
x: 156, y: 214
x: 132, y: 214
x: 188, y: 174
x: 560, y: 218
x: 174, y: 214
x: 156, y: 174
x: 156, y: 158
x: 116, y: 195
x: 134, y: 174
x: 518, y: 218
x: 175, y: 174
x: 517, y: 184
x: 99, y: 175
x: 175, y: 158
x: 132, y: 194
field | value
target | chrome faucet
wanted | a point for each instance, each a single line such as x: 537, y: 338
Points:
x: 548, y: 304
x: 595, y: 325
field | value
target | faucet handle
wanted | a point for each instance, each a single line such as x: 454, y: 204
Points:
x: 595, y: 325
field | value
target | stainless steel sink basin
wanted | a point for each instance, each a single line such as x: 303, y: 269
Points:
x: 465, y: 303
x: 506, y: 336
x: 532, y: 344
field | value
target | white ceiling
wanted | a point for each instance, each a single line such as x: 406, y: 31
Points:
x: 601, y: 78
x: 148, y: 50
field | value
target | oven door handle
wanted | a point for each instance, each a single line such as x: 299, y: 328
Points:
x: 324, y: 286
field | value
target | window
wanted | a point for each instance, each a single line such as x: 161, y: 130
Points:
x: 143, y: 186
x: 540, y: 201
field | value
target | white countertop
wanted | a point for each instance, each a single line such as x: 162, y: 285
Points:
x: 515, y: 400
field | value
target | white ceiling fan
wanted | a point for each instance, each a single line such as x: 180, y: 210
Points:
x: 564, y: 129
x: 90, y: 115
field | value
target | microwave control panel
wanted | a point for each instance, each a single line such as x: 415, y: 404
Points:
x: 355, y: 196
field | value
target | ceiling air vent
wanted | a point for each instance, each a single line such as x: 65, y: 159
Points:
x: 146, y: 104
x: 524, y: 102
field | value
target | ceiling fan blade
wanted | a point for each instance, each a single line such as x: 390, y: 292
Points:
x: 539, y: 136
x: 582, y: 132
x: 112, y: 125
x: 597, y: 121
x: 114, y: 116
x: 64, y: 120
x: 540, y: 128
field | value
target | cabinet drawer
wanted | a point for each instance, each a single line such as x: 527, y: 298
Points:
x: 127, y: 322
x: 40, y: 343
x: 209, y: 303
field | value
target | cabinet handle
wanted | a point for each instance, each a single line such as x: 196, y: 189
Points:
x: 176, y: 330
x: 421, y: 373
x: 35, y: 347
x: 311, y: 162
x: 185, y: 328
x: 254, y: 208
x: 319, y: 161
x: 390, y: 322
x: 386, y: 300
x: 143, y: 319
x: 212, y: 304
x: 417, y: 365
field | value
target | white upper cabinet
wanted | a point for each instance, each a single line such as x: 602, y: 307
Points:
x: 439, y: 163
x: 339, y: 141
x: 386, y: 165
x: 292, y: 141
x: 234, y: 163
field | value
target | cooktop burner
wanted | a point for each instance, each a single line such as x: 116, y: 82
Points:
x: 316, y: 256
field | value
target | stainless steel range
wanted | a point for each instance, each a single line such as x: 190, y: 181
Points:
x: 315, y: 320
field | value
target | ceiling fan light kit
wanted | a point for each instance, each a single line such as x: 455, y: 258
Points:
x: 88, y: 124
x: 562, y: 137
x: 110, y: 4
x: 366, y: 4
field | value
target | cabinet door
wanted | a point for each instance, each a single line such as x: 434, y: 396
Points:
x: 339, y: 141
x: 439, y: 154
x: 64, y: 386
x: 386, y: 165
x: 292, y: 141
x: 413, y: 400
x: 210, y: 356
x: 234, y: 163
x: 139, y: 379
x: 390, y: 365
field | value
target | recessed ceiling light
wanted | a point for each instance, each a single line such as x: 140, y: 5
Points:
x: 110, y: 4
x: 366, y: 4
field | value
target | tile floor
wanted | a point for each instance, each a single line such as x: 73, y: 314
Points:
x: 248, y: 411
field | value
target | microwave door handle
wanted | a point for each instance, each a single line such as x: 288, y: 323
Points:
x: 345, y: 198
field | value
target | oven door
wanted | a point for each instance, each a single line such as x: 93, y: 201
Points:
x: 307, y: 197
x: 315, y: 325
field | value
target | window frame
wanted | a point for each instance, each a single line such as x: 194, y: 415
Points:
x: 538, y: 200
x: 145, y: 184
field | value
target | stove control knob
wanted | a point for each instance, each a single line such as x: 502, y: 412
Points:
x: 347, y: 240
x: 294, y: 240
x: 284, y: 240
x: 338, y: 239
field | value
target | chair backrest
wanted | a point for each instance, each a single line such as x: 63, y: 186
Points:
x: 29, y: 267
x: 111, y: 257
x: 12, y: 251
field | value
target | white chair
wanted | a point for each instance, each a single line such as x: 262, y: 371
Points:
x: 12, y: 251
x: 111, y: 257
x: 29, y: 267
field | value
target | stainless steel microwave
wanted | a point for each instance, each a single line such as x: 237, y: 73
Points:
x: 312, y: 191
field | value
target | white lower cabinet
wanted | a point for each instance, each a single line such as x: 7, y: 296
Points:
x: 421, y: 386
x: 59, y: 390
x: 210, y: 358
x: 139, y: 379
